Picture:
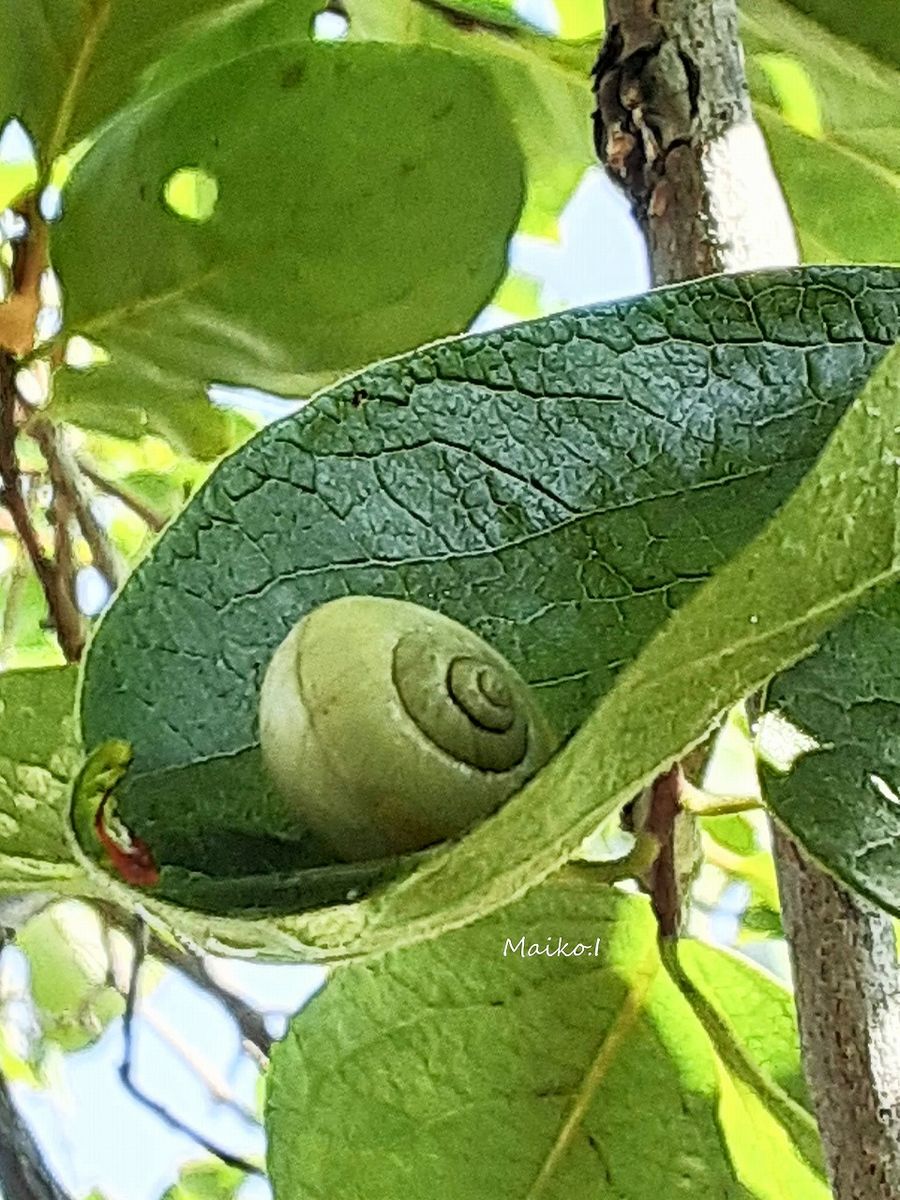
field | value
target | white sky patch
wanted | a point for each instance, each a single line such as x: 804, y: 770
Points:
x: 80, y: 353
x: 330, y: 27
x: 780, y: 743
x: 91, y: 591
x: 15, y: 144
x: 540, y: 13
x: 263, y: 406
x: 33, y: 383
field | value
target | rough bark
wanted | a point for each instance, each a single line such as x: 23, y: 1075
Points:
x: 848, y: 1002
x: 57, y: 589
x: 674, y: 128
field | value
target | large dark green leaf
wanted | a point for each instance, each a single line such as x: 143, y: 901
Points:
x: 561, y: 487
x: 842, y: 798
x: 760, y: 612
x: 336, y: 235
x: 39, y: 753
x: 573, y: 1077
x: 70, y: 64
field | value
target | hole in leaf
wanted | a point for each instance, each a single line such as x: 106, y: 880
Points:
x: 330, y: 25
x: 780, y: 744
x: 192, y: 193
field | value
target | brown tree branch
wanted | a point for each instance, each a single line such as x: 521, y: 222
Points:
x: 61, y: 514
x: 848, y: 1003
x: 66, y: 477
x: 248, y: 1020
x: 151, y: 518
x: 18, y: 314
x: 64, y: 613
x: 673, y: 127
x: 665, y: 882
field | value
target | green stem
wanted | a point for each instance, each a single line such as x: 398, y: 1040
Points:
x: 707, y: 804
x: 633, y: 865
x: 798, y: 1123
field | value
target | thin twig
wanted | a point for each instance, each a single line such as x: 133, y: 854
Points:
x: 249, y: 1021
x: 708, y: 804
x: 66, y: 477
x: 189, y: 962
x: 152, y: 519
x: 64, y: 613
x: 636, y: 864
x: 160, y: 1110
x: 60, y: 515
x: 211, y: 1079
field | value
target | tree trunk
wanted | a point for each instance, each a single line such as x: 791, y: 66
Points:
x: 848, y: 1003
x: 23, y: 1175
x: 674, y: 128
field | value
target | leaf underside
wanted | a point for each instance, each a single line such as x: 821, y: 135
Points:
x: 534, y: 1076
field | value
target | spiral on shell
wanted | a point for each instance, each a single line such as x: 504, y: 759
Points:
x: 462, y: 704
x: 390, y: 727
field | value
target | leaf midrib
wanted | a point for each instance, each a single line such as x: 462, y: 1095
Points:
x: 96, y: 24
x: 628, y: 1015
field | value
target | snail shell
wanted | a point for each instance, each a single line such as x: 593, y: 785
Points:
x: 390, y: 727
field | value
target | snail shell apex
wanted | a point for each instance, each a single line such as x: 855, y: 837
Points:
x: 463, y: 705
x: 390, y: 727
